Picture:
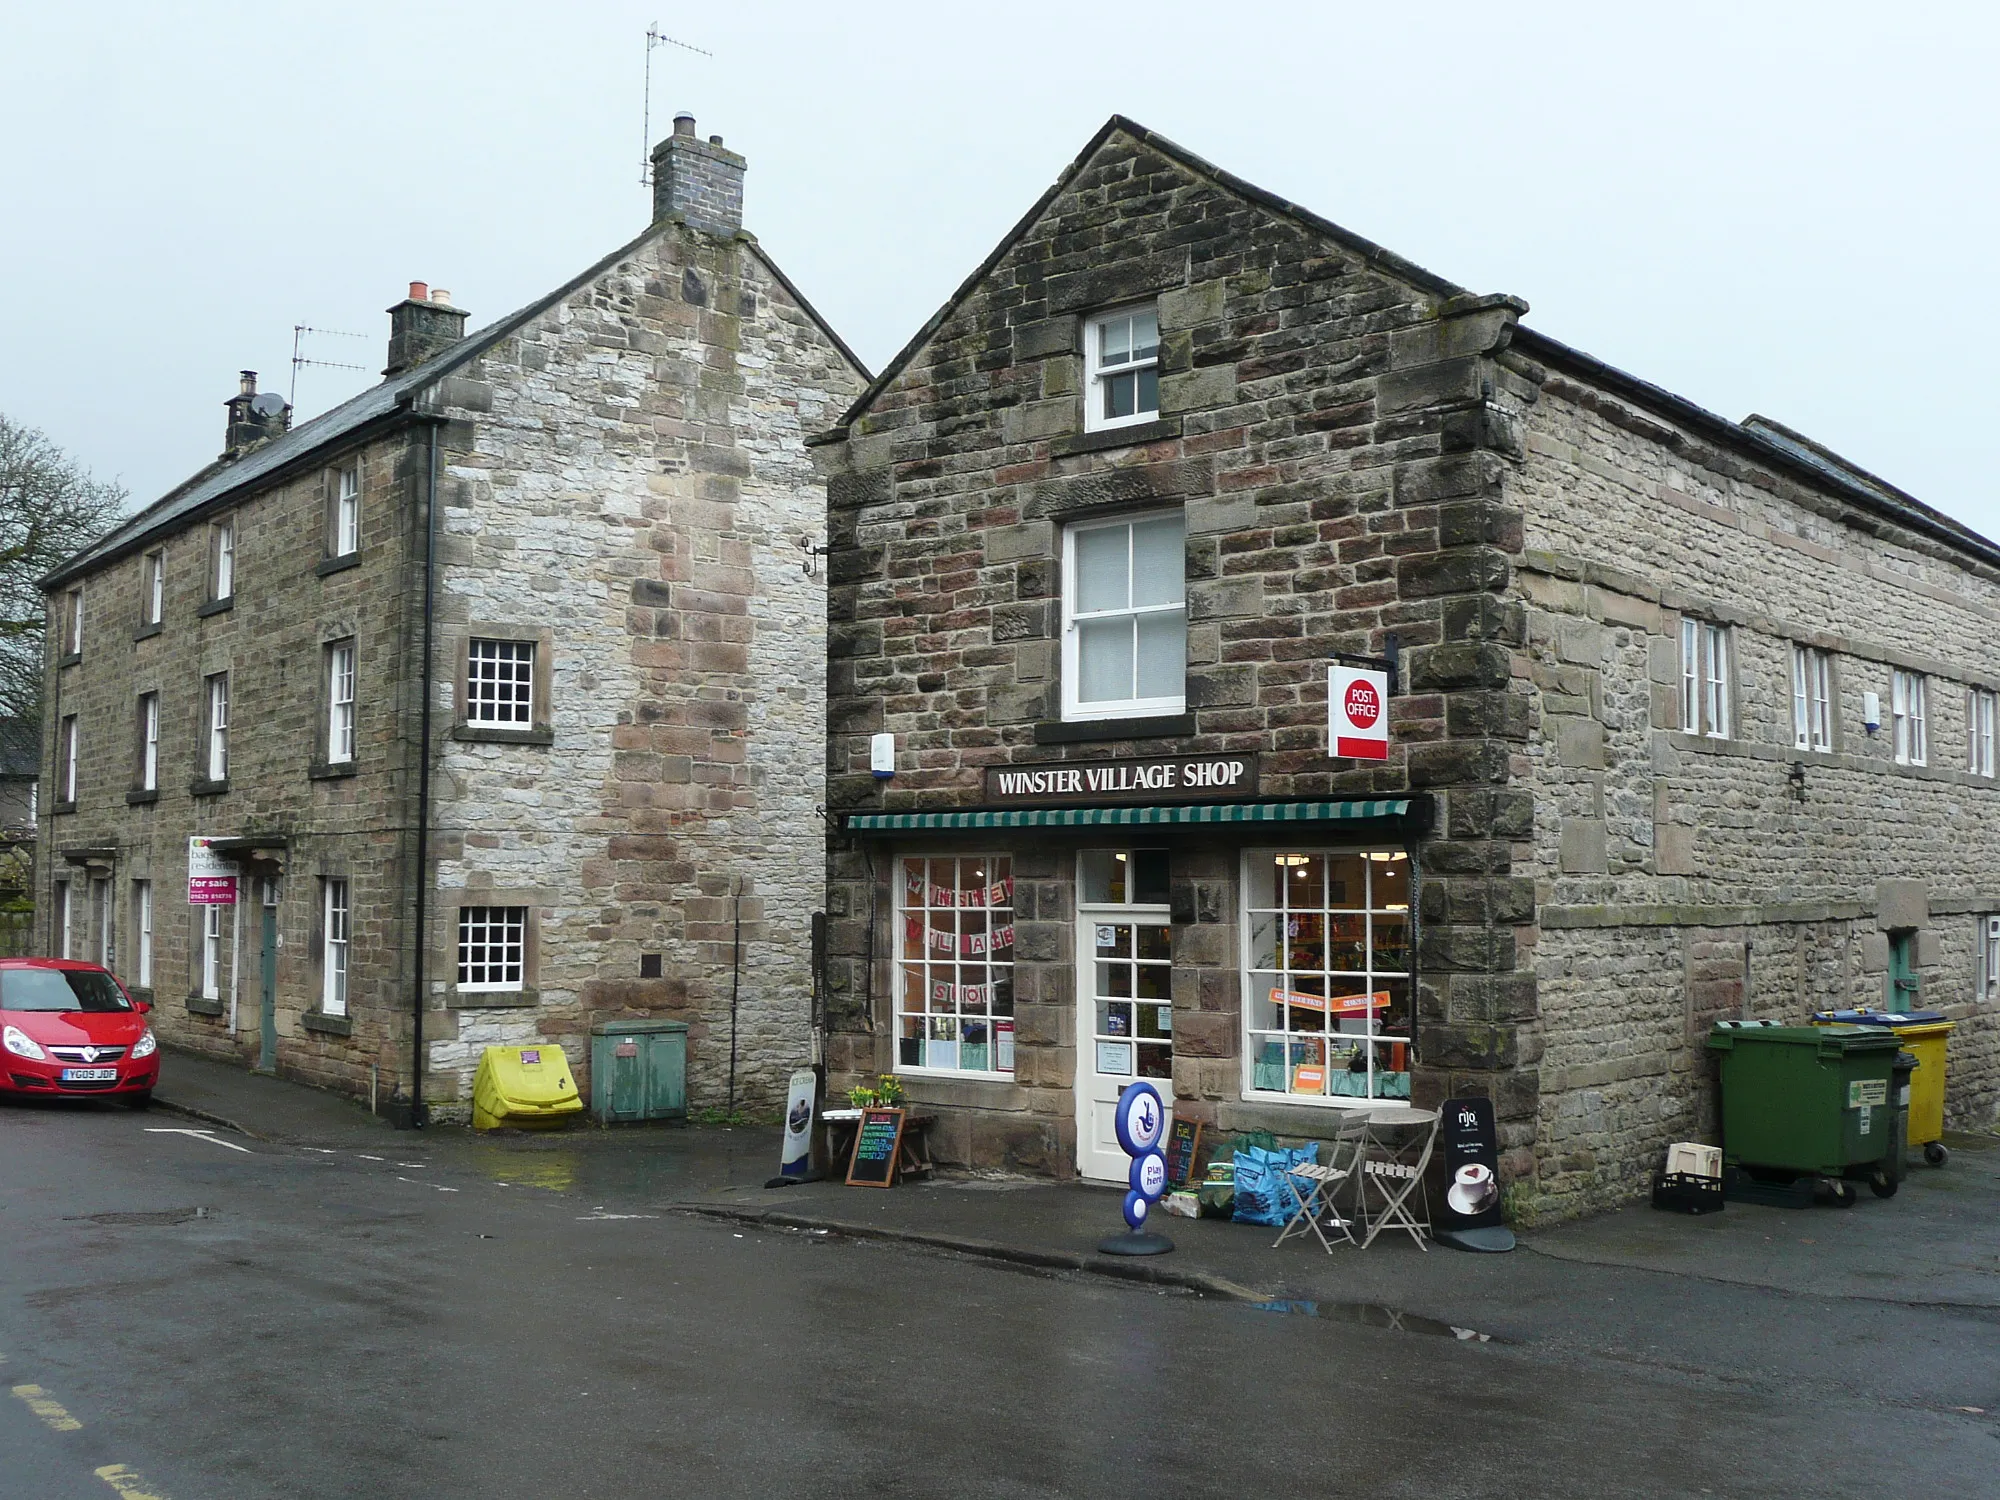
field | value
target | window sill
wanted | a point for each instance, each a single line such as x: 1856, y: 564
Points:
x: 1148, y: 727
x: 493, y: 734
x: 332, y: 771
x: 202, y: 787
x: 147, y: 632
x: 955, y: 1075
x: 216, y: 607
x: 521, y: 999
x: 59, y: 808
x: 1130, y: 436
x: 340, y: 564
x: 326, y: 1025
x: 143, y: 797
x: 201, y: 1005
x: 69, y: 658
x: 1325, y: 1101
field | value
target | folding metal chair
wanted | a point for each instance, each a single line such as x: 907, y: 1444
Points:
x: 1398, y: 1151
x: 1315, y: 1189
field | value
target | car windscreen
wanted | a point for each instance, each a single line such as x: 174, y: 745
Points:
x: 60, y: 989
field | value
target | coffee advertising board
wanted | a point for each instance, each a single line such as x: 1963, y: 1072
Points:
x: 1469, y: 1143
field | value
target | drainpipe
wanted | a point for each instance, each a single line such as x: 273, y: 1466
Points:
x: 419, y: 1112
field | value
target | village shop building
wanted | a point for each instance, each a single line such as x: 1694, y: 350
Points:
x: 1691, y: 718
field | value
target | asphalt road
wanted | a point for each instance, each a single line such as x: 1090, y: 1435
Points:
x: 186, y: 1319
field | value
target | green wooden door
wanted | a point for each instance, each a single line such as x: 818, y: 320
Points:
x: 1903, y: 979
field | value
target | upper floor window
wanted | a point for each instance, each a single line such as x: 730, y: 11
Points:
x: 1979, y: 707
x: 73, y: 622
x: 1125, y: 617
x: 1812, y: 699
x: 500, y: 683
x: 149, y: 742
x: 153, y: 588
x: 222, y: 559
x: 1906, y: 706
x: 66, y: 789
x: 344, y: 530
x: 218, y: 727
x: 340, y: 702
x: 1122, y: 357
x: 1705, y: 678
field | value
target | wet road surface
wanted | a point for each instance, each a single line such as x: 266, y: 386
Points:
x: 216, y: 1318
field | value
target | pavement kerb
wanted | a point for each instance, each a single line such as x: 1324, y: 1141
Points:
x: 1117, y: 1268
x: 1821, y: 1293
x: 207, y: 1117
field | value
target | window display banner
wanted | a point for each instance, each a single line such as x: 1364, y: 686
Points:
x: 917, y: 893
x: 1357, y: 712
x: 211, y: 878
x: 966, y: 945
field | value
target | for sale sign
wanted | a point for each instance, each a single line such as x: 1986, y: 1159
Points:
x: 1357, y: 712
x: 211, y: 878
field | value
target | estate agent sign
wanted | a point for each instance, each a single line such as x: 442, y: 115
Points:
x: 1179, y: 778
x: 211, y: 878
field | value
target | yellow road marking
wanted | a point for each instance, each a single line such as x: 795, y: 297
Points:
x: 129, y: 1485
x: 49, y: 1411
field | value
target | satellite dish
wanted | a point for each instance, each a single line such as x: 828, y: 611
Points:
x: 269, y: 404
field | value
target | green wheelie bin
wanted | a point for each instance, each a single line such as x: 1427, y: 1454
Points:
x: 1810, y: 1101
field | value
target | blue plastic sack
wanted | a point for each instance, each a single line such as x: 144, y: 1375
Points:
x: 1262, y: 1196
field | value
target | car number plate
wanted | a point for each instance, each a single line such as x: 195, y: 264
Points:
x: 89, y: 1075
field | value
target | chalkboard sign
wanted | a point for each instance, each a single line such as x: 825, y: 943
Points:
x: 878, y: 1140
x: 1183, y: 1147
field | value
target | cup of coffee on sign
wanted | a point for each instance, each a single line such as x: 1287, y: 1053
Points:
x: 1473, y: 1189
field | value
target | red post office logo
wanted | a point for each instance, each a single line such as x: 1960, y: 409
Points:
x: 1364, y: 707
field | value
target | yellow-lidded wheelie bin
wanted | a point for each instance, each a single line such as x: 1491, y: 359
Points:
x: 1924, y: 1034
x: 523, y: 1086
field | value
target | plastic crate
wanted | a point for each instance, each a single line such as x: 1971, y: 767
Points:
x: 1699, y: 1160
x: 1687, y: 1193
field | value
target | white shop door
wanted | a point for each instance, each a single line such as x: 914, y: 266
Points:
x: 1124, y: 1028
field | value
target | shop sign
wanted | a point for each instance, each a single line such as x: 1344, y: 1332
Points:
x: 211, y: 878
x: 797, y: 1152
x: 1179, y: 778
x: 1357, y: 712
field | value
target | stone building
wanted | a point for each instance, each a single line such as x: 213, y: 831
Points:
x: 500, y: 686
x: 1690, y: 717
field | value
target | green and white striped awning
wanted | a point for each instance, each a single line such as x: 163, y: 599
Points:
x: 1114, y: 817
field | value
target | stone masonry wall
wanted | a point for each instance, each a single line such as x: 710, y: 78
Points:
x: 626, y: 483
x: 1682, y: 878
x: 1323, y: 431
x: 271, y: 642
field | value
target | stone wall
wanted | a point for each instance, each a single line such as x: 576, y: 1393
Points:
x: 625, y: 480
x: 1322, y: 430
x: 1681, y: 878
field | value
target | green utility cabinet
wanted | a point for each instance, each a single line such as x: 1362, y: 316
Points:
x: 638, y: 1070
x: 1816, y: 1099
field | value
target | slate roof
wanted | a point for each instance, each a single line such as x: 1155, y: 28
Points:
x: 1759, y: 437
x: 379, y: 403
x: 20, y: 748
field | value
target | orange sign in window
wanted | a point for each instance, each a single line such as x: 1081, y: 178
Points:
x: 1309, y: 1078
x: 1337, y: 1005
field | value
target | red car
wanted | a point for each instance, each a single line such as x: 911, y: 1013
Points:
x: 69, y: 1030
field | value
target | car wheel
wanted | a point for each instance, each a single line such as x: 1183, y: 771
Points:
x: 141, y: 1100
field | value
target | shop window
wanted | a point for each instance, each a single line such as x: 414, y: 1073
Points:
x: 1979, y: 715
x: 1326, y: 961
x: 1812, y: 699
x: 955, y: 976
x: 1906, y: 706
x: 1125, y: 617
x: 1705, y: 678
x: 1122, y: 877
x: 1122, y: 351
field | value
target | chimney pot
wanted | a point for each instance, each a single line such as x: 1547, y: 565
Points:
x: 440, y: 296
x: 246, y: 383
x: 418, y: 291
x: 684, y: 124
x: 253, y: 419
x: 715, y: 140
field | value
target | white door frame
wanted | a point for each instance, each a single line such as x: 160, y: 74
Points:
x: 1093, y: 1163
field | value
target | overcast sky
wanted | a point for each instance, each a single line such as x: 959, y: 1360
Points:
x: 1786, y: 209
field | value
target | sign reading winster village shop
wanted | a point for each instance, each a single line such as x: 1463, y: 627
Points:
x: 1180, y: 778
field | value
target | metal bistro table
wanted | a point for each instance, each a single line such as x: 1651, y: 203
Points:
x: 1395, y: 1153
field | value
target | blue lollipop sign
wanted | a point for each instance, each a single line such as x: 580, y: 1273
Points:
x: 1141, y: 1124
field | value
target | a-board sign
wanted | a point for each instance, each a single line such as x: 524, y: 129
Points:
x: 1470, y: 1146
x: 796, y: 1155
x: 1183, y: 1148
x: 878, y: 1139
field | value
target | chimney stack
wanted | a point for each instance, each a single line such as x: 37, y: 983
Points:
x: 697, y: 181
x: 253, y: 419
x: 421, y: 325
